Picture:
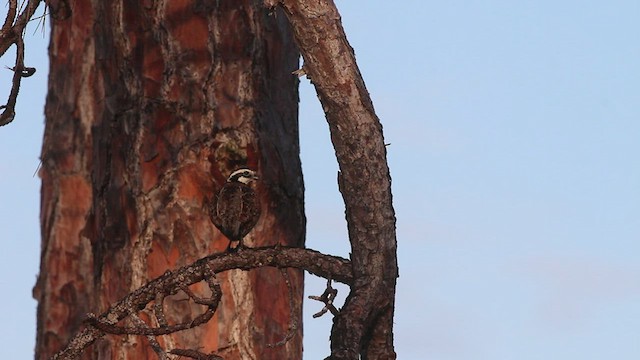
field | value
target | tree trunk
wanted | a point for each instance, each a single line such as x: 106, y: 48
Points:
x: 150, y: 106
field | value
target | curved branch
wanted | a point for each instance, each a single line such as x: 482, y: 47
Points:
x: 171, y: 282
x: 364, y: 327
x: 9, y: 112
x: 11, y: 33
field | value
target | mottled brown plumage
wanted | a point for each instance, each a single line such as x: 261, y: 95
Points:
x: 236, y: 209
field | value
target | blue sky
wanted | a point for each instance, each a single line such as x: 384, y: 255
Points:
x: 514, y: 131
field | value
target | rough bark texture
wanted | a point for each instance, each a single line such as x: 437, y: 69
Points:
x: 326, y: 266
x: 151, y: 104
x: 364, y: 326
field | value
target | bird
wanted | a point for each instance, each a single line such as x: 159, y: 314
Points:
x: 236, y: 209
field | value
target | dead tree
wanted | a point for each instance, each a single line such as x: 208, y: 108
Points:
x: 159, y: 102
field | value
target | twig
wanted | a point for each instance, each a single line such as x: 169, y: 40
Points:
x: 158, y: 310
x: 327, y: 298
x: 164, y: 328
x: 155, y: 345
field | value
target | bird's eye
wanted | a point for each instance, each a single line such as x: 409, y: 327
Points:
x: 246, y: 173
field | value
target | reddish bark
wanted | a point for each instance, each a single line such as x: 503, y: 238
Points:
x: 150, y: 106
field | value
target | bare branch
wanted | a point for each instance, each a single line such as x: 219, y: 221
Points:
x: 11, y: 16
x: 158, y: 310
x: 105, y: 326
x: 11, y: 33
x: 172, y: 282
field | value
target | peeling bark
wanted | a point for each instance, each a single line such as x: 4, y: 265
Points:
x: 150, y: 106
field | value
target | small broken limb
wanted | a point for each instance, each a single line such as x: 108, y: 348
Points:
x: 300, y: 72
x: 327, y: 298
x: 25, y: 71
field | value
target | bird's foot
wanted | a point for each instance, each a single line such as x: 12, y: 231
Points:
x: 231, y: 249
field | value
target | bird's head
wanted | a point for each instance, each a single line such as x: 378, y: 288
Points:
x: 244, y: 176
